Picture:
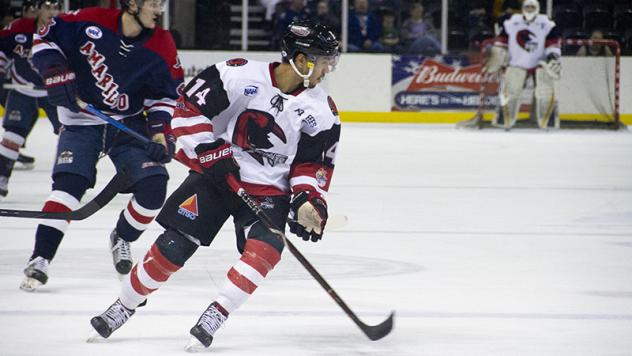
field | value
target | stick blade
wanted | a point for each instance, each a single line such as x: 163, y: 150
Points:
x: 376, y: 332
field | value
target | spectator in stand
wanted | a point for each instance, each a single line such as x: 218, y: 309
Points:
x: 509, y: 8
x: 325, y: 16
x: 384, y: 4
x: 390, y: 34
x: 477, y: 17
x: 417, y: 34
x: 364, y: 29
x: 295, y: 12
x: 595, y: 50
x: 270, y: 6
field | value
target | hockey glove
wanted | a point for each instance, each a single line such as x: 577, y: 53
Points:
x: 308, y: 215
x: 61, y: 87
x: 553, y: 66
x: 163, y: 146
x: 216, y: 160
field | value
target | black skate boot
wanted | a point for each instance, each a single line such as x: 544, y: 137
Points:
x: 121, y: 253
x: 4, y: 186
x: 111, y: 319
x: 35, y: 274
x: 24, y: 163
x: 210, y: 321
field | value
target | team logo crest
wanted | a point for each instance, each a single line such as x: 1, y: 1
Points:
x: 189, y: 208
x: 236, y: 62
x: 526, y: 39
x: 252, y: 132
x: 66, y: 157
x: 21, y: 38
x: 321, y: 177
x: 94, y: 32
x: 332, y: 106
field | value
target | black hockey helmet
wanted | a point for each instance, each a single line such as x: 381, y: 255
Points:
x: 139, y: 3
x: 310, y: 38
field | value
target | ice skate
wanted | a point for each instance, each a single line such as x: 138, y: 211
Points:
x: 210, y: 321
x: 121, y: 253
x: 24, y: 163
x: 112, y: 319
x: 4, y: 187
x: 35, y: 274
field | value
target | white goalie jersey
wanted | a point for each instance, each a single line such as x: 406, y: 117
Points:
x: 283, y: 142
x: 529, y: 42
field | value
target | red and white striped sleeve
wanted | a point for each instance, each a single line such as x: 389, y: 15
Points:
x: 191, y: 128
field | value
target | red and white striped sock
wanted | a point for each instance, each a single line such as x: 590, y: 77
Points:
x: 10, y: 145
x: 137, y: 216
x: 59, y: 201
x: 146, y: 277
x: 258, y: 259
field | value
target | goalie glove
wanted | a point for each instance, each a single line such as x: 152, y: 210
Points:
x: 552, y: 66
x: 308, y: 215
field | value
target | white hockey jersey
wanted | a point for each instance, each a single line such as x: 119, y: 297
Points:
x: 282, y: 142
x: 528, y: 42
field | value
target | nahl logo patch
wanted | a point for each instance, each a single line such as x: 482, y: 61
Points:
x: 189, y: 208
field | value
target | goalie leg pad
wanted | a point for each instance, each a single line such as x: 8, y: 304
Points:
x: 510, y: 91
x: 544, y: 96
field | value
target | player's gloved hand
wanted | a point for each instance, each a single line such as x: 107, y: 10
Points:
x: 163, y: 146
x: 553, y: 66
x: 61, y: 87
x: 216, y: 159
x: 308, y: 215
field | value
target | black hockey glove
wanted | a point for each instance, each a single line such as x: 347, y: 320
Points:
x: 163, y: 145
x: 308, y: 215
x: 61, y: 87
x: 216, y: 160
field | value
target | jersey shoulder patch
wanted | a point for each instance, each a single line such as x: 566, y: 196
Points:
x: 236, y: 62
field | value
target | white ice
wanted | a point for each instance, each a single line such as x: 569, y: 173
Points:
x: 483, y: 243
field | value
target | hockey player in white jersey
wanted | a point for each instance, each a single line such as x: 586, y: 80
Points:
x: 530, y: 43
x: 274, y: 129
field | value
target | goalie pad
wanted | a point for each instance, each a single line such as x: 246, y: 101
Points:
x: 545, y: 102
x: 497, y: 59
x: 509, y: 95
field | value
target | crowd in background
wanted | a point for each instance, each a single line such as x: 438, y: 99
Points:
x: 383, y: 26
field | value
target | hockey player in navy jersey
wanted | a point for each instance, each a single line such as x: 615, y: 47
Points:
x: 125, y: 65
x: 268, y: 124
x: 29, y: 94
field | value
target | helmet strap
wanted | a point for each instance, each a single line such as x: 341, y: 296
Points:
x: 304, y: 76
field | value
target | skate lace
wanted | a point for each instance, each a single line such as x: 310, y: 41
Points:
x: 122, y: 250
x: 39, y: 264
x: 117, y: 314
x: 211, y: 320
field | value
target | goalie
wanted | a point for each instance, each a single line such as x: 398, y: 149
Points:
x: 530, y: 44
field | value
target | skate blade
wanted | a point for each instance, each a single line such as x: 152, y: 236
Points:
x: 94, y: 337
x: 23, y: 166
x: 194, y: 345
x: 30, y: 284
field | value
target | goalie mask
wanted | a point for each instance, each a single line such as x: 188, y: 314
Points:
x: 530, y: 9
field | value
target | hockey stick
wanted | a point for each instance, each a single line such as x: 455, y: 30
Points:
x: 116, y: 185
x: 373, y: 332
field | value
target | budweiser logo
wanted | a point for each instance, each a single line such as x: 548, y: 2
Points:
x: 440, y: 76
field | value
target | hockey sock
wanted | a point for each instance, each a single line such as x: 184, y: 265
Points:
x: 166, y: 256
x: 67, y: 191
x: 9, y: 152
x: 258, y: 259
x: 149, y: 195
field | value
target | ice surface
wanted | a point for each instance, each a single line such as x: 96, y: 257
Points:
x: 484, y: 243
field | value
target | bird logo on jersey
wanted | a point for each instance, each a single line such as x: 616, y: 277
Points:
x: 252, y: 135
x: 189, y: 208
x: 526, y: 39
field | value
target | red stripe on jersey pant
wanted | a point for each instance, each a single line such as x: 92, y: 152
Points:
x: 260, y: 256
x: 138, y: 216
x: 242, y: 282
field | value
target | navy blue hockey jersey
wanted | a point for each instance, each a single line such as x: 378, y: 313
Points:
x: 120, y: 76
x: 16, y: 41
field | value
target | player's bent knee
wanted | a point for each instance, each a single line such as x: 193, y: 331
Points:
x: 71, y: 183
x: 151, y: 192
x: 176, y: 247
x: 259, y: 232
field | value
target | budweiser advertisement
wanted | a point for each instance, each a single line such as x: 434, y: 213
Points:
x: 449, y: 82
